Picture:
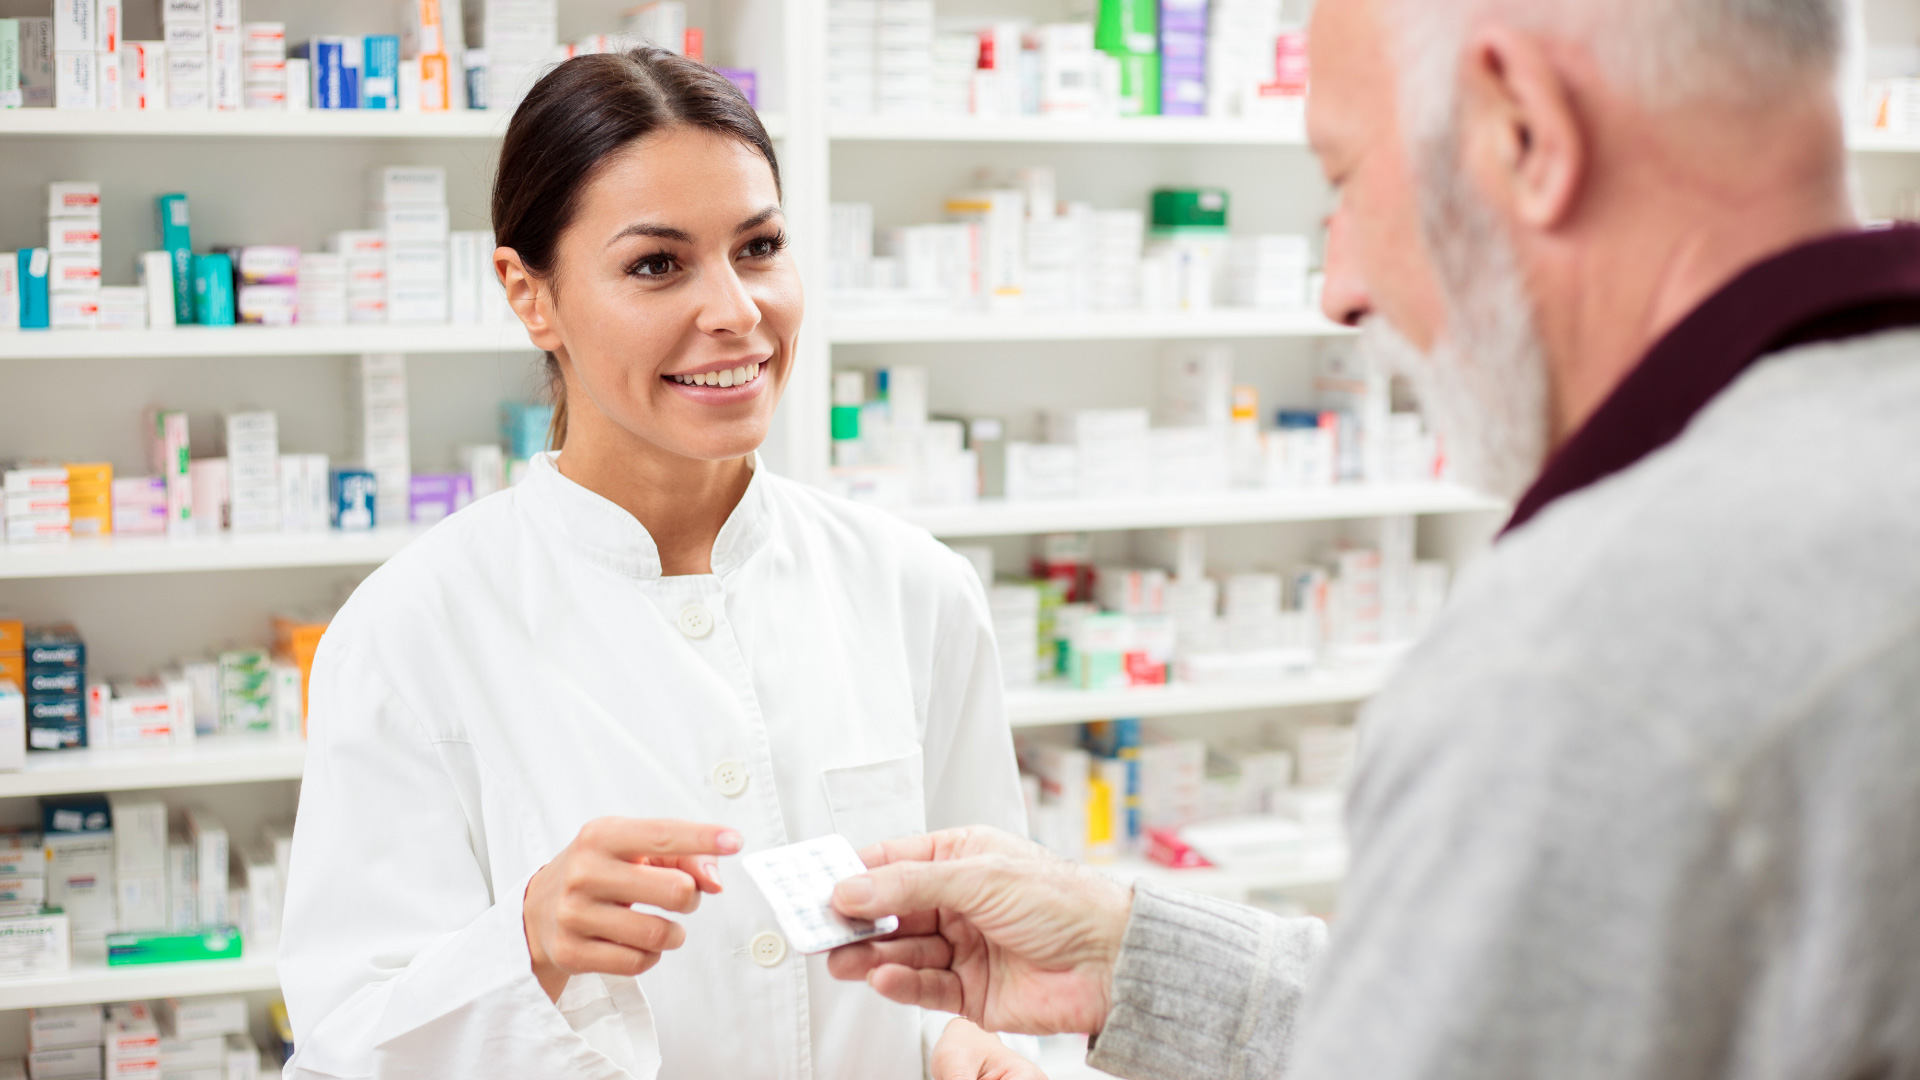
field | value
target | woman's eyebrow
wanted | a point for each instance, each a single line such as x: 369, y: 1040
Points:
x: 658, y: 232
x: 758, y: 219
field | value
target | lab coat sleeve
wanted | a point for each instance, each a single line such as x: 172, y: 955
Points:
x: 396, y: 959
x: 972, y: 777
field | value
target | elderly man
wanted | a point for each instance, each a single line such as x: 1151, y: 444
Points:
x: 1647, y: 801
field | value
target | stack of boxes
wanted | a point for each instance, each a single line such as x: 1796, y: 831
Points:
x: 37, y: 504
x: 246, y: 691
x: 956, y: 56
x: 253, y: 472
x: 304, y: 483
x: 211, y: 859
x: 408, y: 206
x: 1069, y: 69
x: 140, y: 506
x: 226, y: 59
x: 206, y: 1036
x: 184, y: 32
x: 363, y: 262
x: 380, y: 433
x: 321, y: 289
x: 90, y: 499
x: 56, y: 688
x: 73, y: 273
x: 1114, y: 449
x: 13, y: 702
x: 1183, y: 57
x: 132, y: 1042
x: 853, y: 41
x: 519, y: 38
x: 263, y: 59
x: 86, y: 61
x: 170, y: 454
x: 23, y: 874
x: 65, y: 1042
x: 1242, y: 47
x: 268, y: 292
x: 78, y: 837
x: 1128, y: 32
x: 903, y: 56
x: 429, y: 36
x: 1270, y: 272
x: 1016, y: 627
x: 140, y: 862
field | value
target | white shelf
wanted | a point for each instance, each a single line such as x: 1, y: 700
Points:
x: 216, y: 759
x: 92, y: 983
x: 1142, y: 130
x: 1227, y: 884
x: 159, y: 555
x: 275, y: 123
x: 1092, y: 326
x: 996, y: 517
x: 1041, y: 707
x: 1884, y: 142
x: 259, y: 341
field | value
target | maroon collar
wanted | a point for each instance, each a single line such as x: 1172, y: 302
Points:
x: 1836, y: 287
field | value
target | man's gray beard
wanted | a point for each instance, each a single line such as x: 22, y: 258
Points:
x: 1483, y: 387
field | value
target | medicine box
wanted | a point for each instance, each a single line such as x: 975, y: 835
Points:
x: 34, y: 945
x: 67, y: 1063
x: 212, y: 943
x: 203, y: 1017
x: 13, y: 727
x: 63, y: 1027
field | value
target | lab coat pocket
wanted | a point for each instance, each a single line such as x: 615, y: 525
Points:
x: 880, y: 801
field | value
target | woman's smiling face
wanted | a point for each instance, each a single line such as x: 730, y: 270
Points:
x: 674, y: 305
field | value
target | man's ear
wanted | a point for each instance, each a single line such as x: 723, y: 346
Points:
x: 529, y: 298
x: 1522, y: 137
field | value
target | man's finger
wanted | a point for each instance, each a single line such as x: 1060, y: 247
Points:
x: 963, y: 842
x: 634, y: 839
x: 927, y: 989
x: 854, y: 961
x: 903, y: 888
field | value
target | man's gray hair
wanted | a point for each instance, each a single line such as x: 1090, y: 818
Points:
x: 1662, y: 51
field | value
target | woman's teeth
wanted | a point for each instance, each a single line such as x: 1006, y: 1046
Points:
x: 739, y: 376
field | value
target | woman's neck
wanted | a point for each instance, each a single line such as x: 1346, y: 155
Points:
x: 681, y: 502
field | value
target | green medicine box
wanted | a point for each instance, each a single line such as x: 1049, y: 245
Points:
x: 1189, y: 208
x: 209, y: 943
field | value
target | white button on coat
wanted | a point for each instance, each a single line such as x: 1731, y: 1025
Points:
x: 696, y: 621
x: 524, y: 669
x: 730, y: 778
x: 768, y: 949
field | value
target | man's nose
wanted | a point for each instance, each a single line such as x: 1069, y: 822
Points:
x: 1344, y: 297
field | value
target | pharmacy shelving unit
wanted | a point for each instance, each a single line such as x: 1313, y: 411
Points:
x: 283, y: 165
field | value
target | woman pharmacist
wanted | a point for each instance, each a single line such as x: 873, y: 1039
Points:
x: 518, y: 719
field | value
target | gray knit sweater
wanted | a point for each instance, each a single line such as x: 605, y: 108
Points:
x: 1646, y: 804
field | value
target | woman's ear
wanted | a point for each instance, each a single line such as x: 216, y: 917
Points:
x: 529, y: 298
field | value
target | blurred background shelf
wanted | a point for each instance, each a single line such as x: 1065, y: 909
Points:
x: 1140, y: 130
x: 89, y: 983
x: 1044, y: 706
x: 213, y: 759
x: 1091, y: 326
x: 162, y: 555
x: 994, y: 517
x: 275, y: 124
x: 260, y: 341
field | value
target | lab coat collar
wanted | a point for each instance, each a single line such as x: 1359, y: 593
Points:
x: 607, y: 535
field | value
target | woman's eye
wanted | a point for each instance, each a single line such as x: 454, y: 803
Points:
x: 764, y: 247
x: 652, y: 266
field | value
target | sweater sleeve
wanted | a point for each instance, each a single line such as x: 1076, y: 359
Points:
x: 1205, y: 987
x: 397, y: 958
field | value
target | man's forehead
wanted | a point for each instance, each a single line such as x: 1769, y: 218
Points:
x: 1353, y: 83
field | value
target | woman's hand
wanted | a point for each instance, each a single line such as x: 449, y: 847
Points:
x: 578, y: 912
x: 965, y: 1052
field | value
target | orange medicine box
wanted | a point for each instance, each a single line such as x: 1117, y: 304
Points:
x: 95, y: 474
x: 295, y: 639
x: 13, y: 669
x: 13, y: 637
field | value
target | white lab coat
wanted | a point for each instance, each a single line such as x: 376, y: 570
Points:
x: 524, y: 668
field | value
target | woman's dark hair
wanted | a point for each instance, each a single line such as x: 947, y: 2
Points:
x: 577, y: 116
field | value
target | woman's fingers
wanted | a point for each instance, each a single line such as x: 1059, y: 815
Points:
x: 634, y: 839
x: 704, y: 869
x: 622, y: 926
x: 581, y: 955
x: 625, y: 883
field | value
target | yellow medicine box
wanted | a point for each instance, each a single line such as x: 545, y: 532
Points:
x: 99, y: 474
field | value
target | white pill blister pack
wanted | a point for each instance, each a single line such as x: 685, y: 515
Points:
x: 798, y: 880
